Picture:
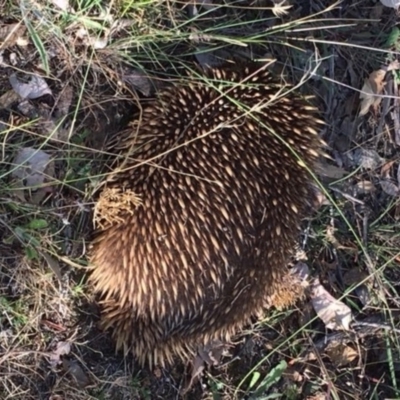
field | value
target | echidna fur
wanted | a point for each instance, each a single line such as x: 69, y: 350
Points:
x: 223, y: 189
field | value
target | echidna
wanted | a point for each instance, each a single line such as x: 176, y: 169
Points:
x: 218, y: 166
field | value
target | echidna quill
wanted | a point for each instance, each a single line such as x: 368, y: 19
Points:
x: 217, y: 167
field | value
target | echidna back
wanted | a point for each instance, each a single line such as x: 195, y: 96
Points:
x: 217, y: 167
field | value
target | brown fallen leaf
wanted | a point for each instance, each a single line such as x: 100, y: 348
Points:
x: 341, y: 354
x: 62, y: 349
x: 8, y: 99
x: 335, y: 314
x: 386, y: 169
x: 330, y: 171
x: 293, y: 374
x: 53, y: 264
x: 209, y: 354
x: 32, y: 170
x: 367, y: 159
x: 35, y: 88
x: 364, y: 187
x: 64, y: 101
x: 373, y: 88
x: 29, y: 165
x: 390, y: 188
x: 197, y: 369
x: 320, y: 199
x: 138, y: 80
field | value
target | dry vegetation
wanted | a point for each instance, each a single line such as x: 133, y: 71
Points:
x: 71, y: 74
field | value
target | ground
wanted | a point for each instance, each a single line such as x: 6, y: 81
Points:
x: 71, y: 76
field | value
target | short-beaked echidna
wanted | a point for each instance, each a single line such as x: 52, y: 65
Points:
x: 218, y: 165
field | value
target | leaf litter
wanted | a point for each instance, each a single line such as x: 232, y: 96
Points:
x: 334, y: 313
x: 35, y: 88
x: 32, y: 169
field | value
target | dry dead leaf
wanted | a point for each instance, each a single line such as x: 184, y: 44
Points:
x: 35, y: 88
x: 391, y: 3
x: 320, y: 199
x: 209, y: 354
x: 330, y: 171
x: 62, y: 349
x: 372, y: 87
x: 32, y: 167
x: 367, y: 159
x: 31, y: 170
x: 53, y: 264
x: 8, y: 99
x: 139, y: 81
x: 293, y: 374
x: 61, y: 4
x: 99, y: 43
x: 364, y: 187
x: 390, y: 188
x: 334, y: 313
x: 196, y: 371
x: 64, y: 101
x: 341, y: 354
x: 386, y: 169
x: 212, y: 353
